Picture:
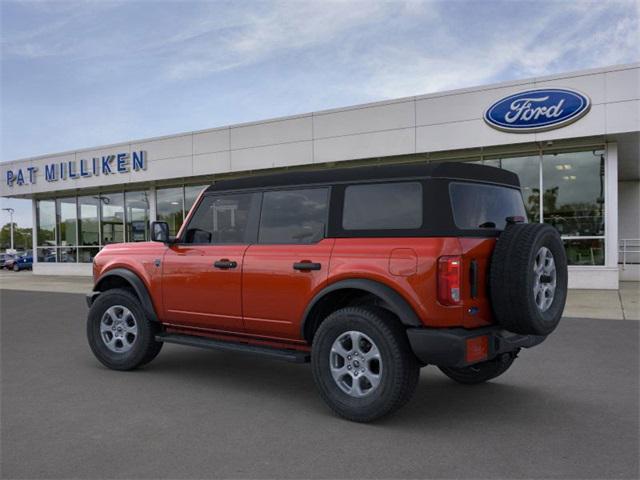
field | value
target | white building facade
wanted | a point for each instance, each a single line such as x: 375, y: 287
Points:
x: 579, y: 171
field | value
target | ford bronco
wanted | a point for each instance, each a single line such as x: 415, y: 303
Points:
x: 369, y: 273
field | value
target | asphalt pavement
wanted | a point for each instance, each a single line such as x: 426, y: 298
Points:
x: 566, y: 409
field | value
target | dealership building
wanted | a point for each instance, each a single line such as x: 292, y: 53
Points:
x: 573, y: 139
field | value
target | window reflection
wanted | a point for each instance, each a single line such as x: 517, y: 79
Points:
x: 112, y: 218
x: 86, y: 254
x: 585, y: 251
x: 137, y: 216
x: 66, y: 209
x: 528, y: 171
x: 169, y: 207
x: 88, y: 220
x: 572, y: 199
x: 191, y: 195
x: 46, y: 219
x: 46, y: 254
x: 574, y: 192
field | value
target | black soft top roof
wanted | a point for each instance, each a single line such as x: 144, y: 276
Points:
x: 452, y: 170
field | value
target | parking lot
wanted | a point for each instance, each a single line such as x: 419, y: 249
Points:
x: 567, y: 409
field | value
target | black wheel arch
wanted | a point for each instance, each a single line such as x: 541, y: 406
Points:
x: 391, y: 300
x: 119, y: 277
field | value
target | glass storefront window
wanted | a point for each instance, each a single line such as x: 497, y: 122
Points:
x: 46, y: 218
x: 73, y: 229
x: 573, y: 199
x: 585, y: 251
x: 191, y: 193
x: 67, y: 254
x: 169, y: 207
x: 528, y: 170
x: 46, y: 254
x: 86, y: 254
x: 112, y: 221
x: 88, y: 222
x: 67, y: 211
x: 137, y: 216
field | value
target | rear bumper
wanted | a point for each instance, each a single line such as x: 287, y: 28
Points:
x: 457, y: 347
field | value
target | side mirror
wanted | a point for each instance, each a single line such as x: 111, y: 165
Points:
x: 160, y: 232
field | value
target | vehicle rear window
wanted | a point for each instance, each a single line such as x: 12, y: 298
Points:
x: 476, y: 206
x: 383, y: 206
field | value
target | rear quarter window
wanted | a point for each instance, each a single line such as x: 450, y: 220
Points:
x: 383, y: 206
x: 477, y: 206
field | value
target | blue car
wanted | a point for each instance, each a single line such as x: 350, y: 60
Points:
x: 23, y: 262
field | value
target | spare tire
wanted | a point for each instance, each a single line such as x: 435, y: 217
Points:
x: 528, y: 278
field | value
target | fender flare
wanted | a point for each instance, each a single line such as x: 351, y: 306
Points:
x: 136, y: 283
x: 397, y: 304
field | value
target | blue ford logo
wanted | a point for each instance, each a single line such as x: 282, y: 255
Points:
x: 537, y: 110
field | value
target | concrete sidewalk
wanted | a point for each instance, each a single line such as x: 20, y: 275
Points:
x: 26, y: 280
x: 623, y: 304
x: 620, y: 304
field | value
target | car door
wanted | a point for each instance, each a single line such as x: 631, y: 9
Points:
x: 202, y: 273
x: 289, y: 263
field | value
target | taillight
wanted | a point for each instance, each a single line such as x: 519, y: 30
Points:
x: 449, y: 268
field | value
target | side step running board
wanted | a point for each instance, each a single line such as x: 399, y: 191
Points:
x: 294, y: 356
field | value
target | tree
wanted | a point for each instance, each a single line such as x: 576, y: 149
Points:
x: 22, y: 237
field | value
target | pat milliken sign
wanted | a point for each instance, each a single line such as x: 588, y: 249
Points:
x: 117, y: 163
x: 537, y: 110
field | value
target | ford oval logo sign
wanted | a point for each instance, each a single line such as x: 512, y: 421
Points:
x: 537, y: 110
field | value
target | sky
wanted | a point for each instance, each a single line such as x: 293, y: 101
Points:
x: 86, y: 73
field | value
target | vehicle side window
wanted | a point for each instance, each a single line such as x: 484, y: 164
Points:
x: 382, y: 206
x: 223, y: 219
x: 294, y: 216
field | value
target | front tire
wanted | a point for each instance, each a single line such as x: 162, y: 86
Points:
x: 362, y: 363
x: 119, y: 333
x: 16, y: 268
x: 480, y: 372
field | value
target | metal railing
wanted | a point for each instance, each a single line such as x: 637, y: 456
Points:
x: 628, y: 248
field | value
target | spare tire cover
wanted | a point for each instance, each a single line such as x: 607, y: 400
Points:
x: 528, y: 278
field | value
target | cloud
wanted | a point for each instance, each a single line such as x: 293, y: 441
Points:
x: 100, y: 72
x: 526, y: 47
x: 285, y: 27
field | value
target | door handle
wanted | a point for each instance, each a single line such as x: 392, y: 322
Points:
x: 306, y: 265
x: 225, y: 264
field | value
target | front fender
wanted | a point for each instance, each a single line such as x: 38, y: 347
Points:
x: 136, y: 284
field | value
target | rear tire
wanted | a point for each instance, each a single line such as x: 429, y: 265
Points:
x: 480, y: 372
x: 16, y: 268
x: 119, y: 333
x: 368, y: 390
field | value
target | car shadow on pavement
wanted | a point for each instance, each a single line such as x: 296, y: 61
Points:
x: 437, y: 402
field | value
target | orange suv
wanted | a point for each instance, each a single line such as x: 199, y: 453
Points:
x: 369, y: 273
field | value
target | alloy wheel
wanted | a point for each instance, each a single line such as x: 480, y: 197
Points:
x: 355, y: 364
x: 118, y: 329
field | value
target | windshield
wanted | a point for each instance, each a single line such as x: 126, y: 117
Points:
x: 477, y: 206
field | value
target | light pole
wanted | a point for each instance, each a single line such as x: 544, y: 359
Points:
x: 11, y: 212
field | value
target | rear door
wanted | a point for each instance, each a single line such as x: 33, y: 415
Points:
x: 202, y: 274
x: 290, y: 262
